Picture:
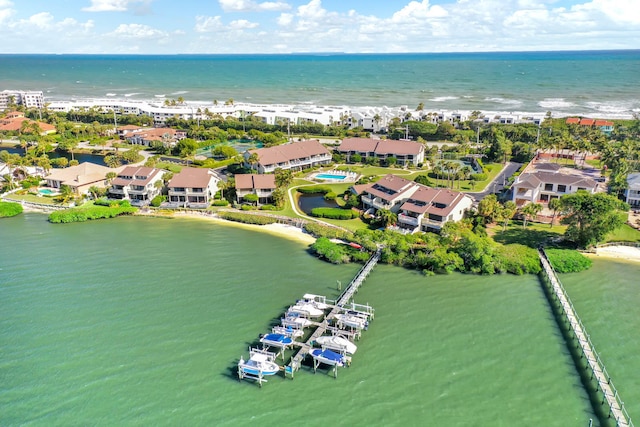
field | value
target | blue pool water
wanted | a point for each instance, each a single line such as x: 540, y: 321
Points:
x: 45, y: 191
x: 330, y: 176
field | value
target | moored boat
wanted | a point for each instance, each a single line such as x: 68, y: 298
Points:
x: 305, y: 309
x: 338, y: 343
x: 276, y: 340
x: 259, y: 364
x: 352, y: 321
x: 328, y: 357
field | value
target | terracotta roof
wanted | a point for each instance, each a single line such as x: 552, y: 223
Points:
x: 380, y: 146
x: 287, y: 152
x: 603, y: 123
x: 573, y: 120
x: 431, y: 200
x: 152, y: 134
x: 192, y: 178
x: 141, y: 175
x: 255, y: 182
x: 130, y: 127
x: 82, y: 174
x: 587, y: 122
x: 15, y: 123
x: 389, y: 187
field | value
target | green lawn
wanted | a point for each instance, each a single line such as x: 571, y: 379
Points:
x: 533, y: 236
x: 34, y: 199
x: 626, y: 233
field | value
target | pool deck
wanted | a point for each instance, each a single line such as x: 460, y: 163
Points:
x: 348, y: 176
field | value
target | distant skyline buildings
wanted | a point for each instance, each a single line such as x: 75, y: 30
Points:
x: 298, y: 26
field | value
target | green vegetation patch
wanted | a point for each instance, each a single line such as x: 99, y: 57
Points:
x: 519, y: 259
x: 322, y: 189
x: 320, y: 230
x: 332, y: 252
x: 568, y: 260
x: 334, y: 213
x: 247, y: 218
x: 90, y: 213
x: 9, y: 209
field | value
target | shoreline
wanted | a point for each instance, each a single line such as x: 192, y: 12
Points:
x: 618, y: 253
x: 279, y: 230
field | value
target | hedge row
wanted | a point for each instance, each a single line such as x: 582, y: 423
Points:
x: 320, y: 230
x: 8, y: 209
x: 86, y: 214
x: 247, y: 218
x: 568, y: 260
x: 333, y: 213
x: 112, y: 203
x: 314, y: 189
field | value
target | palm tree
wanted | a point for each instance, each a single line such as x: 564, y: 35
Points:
x: 529, y: 212
x: 253, y: 159
x: 66, y: 194
x: 507, y: 212
x: 554, y: 205
x: 386, y: 218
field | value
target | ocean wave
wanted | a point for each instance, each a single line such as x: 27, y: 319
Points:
x: 503, y: 101
x: 555, y: 103
x: 127, y: 95
x: 160, y: 96
x: 110, y: 94
x: 179, y: 92
x: 443, y: 98
x: 612, y: 107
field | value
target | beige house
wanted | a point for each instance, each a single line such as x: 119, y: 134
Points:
x: 405, y: 152
x: 295, y: 155
x: 262, y: 186
x: 80, y: 178
x: 192, y: 188
x: 136, y: 184
x: 542, y: 181
x: 419, y: 208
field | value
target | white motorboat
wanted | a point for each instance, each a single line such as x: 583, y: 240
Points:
x: 329, y: 357
x: 295, y: 321
x: 318, y: 301
x: 276, y: 340
x: 305, y: 309
x: 258, y: 365
x: 338, y: 343
x: 288, y: 331
x: 352, y: 321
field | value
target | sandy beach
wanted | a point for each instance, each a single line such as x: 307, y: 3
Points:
x: 627, y: 253
x: 280, y: 230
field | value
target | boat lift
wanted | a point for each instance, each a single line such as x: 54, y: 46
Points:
x: 242, y: 367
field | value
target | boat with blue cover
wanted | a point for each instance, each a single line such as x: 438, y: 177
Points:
x: 260, y: 364
x: 276, y: 340
x: 328, y: 357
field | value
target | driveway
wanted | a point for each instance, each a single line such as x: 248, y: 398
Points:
x: 498, y: 183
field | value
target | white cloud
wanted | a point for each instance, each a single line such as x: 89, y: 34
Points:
x: 285, y: 19
x: 242, y: 24
x: 138, y: 31
x: 252, y: 6
x: 111, y: 5
x: 5, y: 10
x: 207, y: 24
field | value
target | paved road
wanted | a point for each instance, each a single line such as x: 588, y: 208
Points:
x: 498, y: 183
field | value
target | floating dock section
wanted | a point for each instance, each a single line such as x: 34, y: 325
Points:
x: 595, y: 364
x: 342, y: 317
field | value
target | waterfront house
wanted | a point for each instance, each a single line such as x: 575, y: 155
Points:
x: 13, y: 121
x: 428, y: 209
x: 128, y: 129
x: 390, y: 192
x: 262, y: 186
x: 405, y: 152
x: 80, y: 178
x: 138, y: 184
x: 294, y: 155
x: 192, y: 188
x: 541, y: 182
x: 169, y: 137
x: 632, y: 192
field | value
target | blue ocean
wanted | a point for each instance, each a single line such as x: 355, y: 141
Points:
x: 599, y: 83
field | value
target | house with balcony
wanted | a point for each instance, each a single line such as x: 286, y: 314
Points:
x: 428, y: 209
x: 192, y: 188
x: 80, y: 177
x: 541, y: 182
x: 390, y: 192
x: 137, y: 184
x: 295, y: 155
x: 405, y: 152
x: 169, y: 137
x: 262, y: 186
x: 632, y: 192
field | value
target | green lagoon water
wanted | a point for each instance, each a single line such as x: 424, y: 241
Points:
x: 139, y: 321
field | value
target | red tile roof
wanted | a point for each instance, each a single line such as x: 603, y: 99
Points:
x: 287, y: 152
x: 573, y: 120
x: 587, y: 122
x: 255, y: 182
x: 603, y: 123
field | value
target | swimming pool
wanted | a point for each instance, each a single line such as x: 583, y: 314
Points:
x: 330, y: 176
x: 45, y: 192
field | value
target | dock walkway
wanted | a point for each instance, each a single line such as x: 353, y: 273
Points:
x: 598, y: 370
x: 347, y: 295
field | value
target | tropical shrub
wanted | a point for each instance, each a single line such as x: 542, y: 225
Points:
x: 333, y: 213
x: 247, y: 218
x: 330, y: 195
x: 568, y: 260
x: 330, y: 251
x: 221, y: 202
x: 479, y: 176
x: 8, y: 209
x: 321, y: 230
x: 323, y: 189
x: 519, y: 259
x: 90, y: 213
x: 158, y: 200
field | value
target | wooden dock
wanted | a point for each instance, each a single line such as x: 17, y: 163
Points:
x: 345, y: 298
x: 598, y: 370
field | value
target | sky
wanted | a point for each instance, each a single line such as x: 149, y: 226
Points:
x: 298, y: 26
